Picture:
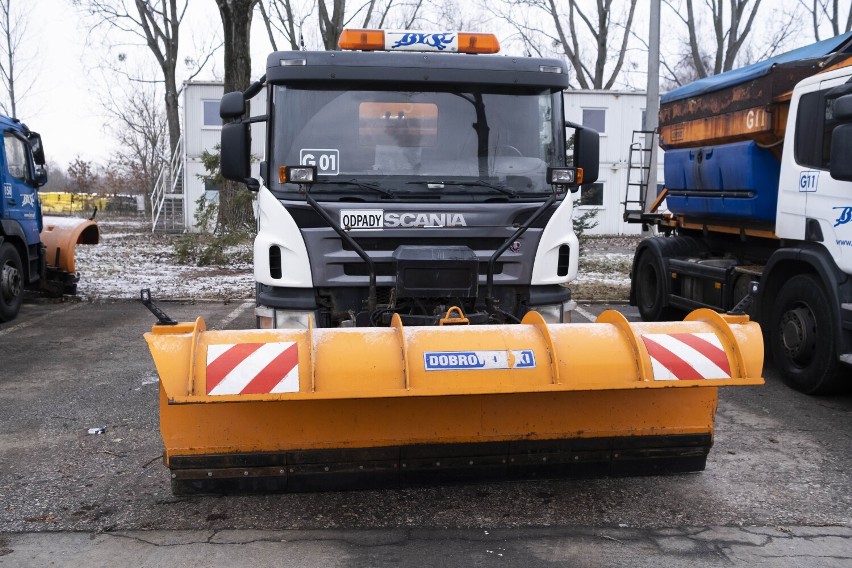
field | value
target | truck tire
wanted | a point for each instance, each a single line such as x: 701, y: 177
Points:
x: 11, y: 282
x: 651, y: 290
x: 803, y: 338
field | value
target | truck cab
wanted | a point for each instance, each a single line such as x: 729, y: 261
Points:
x: 36, y: 252
x: 21, y: 174
x: 410, y: 183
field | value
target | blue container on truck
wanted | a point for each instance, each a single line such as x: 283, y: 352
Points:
x: 728, y: 181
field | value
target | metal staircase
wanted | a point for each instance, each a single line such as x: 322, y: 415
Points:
x: 638, y: 170
x: 167, y: 199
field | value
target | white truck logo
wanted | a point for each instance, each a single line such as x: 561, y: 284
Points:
x: 377, y: 219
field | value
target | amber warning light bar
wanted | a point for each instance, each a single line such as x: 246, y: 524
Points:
x: 409, y: 40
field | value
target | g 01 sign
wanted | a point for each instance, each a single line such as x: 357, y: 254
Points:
x: 326, y: 160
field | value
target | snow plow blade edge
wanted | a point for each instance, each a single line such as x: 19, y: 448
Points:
x: 61, y: 235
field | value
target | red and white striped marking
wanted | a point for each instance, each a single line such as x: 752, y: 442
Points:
x: 687, y: 356
x: 252, y: 368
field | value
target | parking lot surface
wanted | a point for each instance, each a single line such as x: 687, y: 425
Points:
x: 776, y: 486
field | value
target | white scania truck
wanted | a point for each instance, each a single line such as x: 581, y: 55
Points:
x: 407, y: 183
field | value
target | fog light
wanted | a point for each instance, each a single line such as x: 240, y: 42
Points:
x: 567, y: 309
x: 286, y: 319
x: 302, y: 174
x: 265, y: 317
x: 557, y: 313
x: 297, y: 174
x: 551, y: 313
x: 561, y: 176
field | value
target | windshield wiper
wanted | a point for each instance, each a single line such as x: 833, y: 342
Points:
x: 476, y: 182
x: 357, y: 183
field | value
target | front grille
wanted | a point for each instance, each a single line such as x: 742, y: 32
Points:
x: 389, y: 269
x: 390, y: 245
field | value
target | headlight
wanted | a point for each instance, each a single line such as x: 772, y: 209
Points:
x: 271, y: 318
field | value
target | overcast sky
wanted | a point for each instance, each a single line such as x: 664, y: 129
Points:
x: 64, y: 104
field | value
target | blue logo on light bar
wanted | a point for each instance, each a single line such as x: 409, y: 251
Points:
x: 396, y: 40
x: 478, y: 360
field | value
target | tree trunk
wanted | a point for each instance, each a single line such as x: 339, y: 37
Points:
x: 331, y: 25
x: 172, y: 111
x: 235, y: 209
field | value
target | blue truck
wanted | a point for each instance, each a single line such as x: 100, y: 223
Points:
x: 36, y: 252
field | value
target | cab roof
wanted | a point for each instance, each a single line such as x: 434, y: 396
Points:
x: 416, y: 67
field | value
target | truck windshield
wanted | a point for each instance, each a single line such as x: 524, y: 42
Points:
x: 410, y: 141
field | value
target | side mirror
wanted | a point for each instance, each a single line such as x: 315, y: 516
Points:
x: 235, y: 151
x: 587, y: 154
x: 40, y: 175
x: 840, y: 165
x: 232, y: 105
x: 37, y: 148
x: 843, y: 109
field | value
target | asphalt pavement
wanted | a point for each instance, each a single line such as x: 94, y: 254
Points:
x: 775, y: 491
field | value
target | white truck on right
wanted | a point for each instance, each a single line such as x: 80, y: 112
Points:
x: 758, y: 187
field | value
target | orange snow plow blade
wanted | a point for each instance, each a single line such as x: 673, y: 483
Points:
x: 61, y: 235
x: 316, y: 409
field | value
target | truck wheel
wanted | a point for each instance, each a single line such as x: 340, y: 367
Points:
x: 651, y: 291
x: 802, y: 337
x: 11, y: 282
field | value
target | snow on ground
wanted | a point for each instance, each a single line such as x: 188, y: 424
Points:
x: 129, y: 258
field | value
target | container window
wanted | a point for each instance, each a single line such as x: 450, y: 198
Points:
x: 595, y: 118
x: 592, y: 195
x: 211, y: 113
x: 211, y: 190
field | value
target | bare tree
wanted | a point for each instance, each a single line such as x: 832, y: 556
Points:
x: 82, y: 175
x: 331, y: 23
x: 822, y: 11
x: 280, y: 19
x: 368, y: 14
x: 450, y: 15
x: 156, y: 23
x: 235, y: 210
x: 288, y: 19
x: 13, y: 30
x: 566, y: 31
x: 139, y: 126
x: 731, y: 23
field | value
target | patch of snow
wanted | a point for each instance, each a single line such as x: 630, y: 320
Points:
x: 129, y: 257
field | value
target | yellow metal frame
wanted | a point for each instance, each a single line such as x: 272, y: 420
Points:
x: 368, y: 388
x: 353, y: 363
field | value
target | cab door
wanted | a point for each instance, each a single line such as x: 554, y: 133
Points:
x: 19, y: 189
x: 829, y: 201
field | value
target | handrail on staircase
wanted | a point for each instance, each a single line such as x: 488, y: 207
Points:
x: 167, y: 182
